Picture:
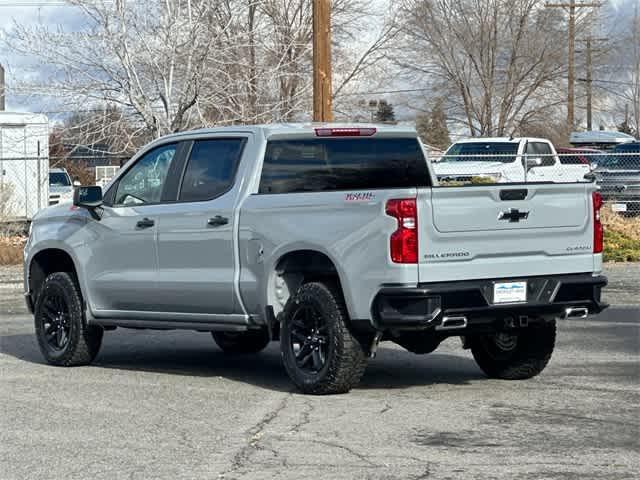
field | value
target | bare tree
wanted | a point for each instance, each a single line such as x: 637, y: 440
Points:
x: 149, y: 59
x: 499, y: 61
x: 169, y: 65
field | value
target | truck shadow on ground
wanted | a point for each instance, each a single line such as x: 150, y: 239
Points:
x: 182, y: 353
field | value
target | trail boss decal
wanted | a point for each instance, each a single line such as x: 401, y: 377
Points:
x: 360, y: 197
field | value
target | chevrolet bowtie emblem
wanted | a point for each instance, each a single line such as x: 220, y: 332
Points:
x: 513, y: 215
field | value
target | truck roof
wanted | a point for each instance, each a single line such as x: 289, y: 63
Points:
x: 295, y: 129
x: 57, y: 170
x: 501, y: 139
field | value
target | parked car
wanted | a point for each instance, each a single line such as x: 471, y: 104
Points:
x: 600, y: 139
x: 618, y: 176
x: 506, y: 160
x: 580, y: 156
x: 329, y: 239
x: 60, y: 186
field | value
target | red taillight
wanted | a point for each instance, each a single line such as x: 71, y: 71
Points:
x: 598, y: 229
x: 403, y: 244
x: 345, y: 132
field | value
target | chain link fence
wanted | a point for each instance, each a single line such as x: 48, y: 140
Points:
x: 25, y: 185
x: 617, y: 174
x: 29, y: 184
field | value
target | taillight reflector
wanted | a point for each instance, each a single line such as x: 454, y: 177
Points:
x: 598, y: 229
x: 403, y: 244
x: 345, y: 132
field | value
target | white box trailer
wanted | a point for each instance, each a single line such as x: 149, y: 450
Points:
x: 24, y: 165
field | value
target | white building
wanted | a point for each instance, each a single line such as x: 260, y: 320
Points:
x: 24, y: 164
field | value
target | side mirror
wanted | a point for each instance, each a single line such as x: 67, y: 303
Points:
x: 76, y: 183
x: 87, y: 197
x: 533, y: 162
x: 590, y: 177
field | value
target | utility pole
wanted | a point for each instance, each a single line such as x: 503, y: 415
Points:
x: 322, y: 108
x: 589, y: 80
x: 572, y: 7
x: 1, y: 88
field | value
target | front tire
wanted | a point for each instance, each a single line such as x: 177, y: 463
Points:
x: 515, y: 356
x: 251, y: 341
x: 319, y: 351
x: 63, y: 336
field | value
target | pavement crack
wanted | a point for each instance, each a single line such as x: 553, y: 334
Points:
x: 305, y: 417
x: 362, y: 457
x: 243, y: 456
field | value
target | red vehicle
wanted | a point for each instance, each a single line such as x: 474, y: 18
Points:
x: 577, y: 156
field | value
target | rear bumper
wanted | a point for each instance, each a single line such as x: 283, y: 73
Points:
x: 425, y: 306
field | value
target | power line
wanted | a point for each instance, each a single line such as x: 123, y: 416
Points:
x: 385, y: 92
x: 614, y: 82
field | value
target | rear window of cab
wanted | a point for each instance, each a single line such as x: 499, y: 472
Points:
x: 333, y: 164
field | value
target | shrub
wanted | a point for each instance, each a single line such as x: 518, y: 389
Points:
x: 621, y: 237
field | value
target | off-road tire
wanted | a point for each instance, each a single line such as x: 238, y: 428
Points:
x: 532, y: 352
x: 346, y: 358
x: 83, y: 341
x: 251, y: 341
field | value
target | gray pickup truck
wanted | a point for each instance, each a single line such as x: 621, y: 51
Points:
x: 326, y: 238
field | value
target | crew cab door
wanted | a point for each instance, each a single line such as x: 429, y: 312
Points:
x: 196, y: 252
x: 121, y: 261
x: 549, y: 169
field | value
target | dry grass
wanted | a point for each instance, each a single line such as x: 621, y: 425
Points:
x: 11, y: 250
x: 629, y: 226
x: 621, y: 237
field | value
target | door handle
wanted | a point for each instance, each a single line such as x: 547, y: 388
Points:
x: 217, y: 221
x: 145, y: 223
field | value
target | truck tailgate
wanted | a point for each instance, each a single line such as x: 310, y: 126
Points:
x: 504, y: 231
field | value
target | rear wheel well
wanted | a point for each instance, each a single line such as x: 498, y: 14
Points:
x: 45, y: 263
x: 294, y: 269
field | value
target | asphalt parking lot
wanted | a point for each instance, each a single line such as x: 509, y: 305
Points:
x: 172, y: 405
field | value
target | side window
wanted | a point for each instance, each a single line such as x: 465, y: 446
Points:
x: 211, y: 169
x: 543, y: 150
x: 144, y: 181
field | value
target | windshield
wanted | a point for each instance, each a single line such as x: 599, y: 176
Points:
x: 59, y: 179
x: 489, y: 151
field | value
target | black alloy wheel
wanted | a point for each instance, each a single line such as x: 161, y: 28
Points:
x: 309, y: 340
x: 55, y: 321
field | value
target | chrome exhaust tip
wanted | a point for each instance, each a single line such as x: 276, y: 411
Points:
x: 452, y: 323
x: 576, y: 312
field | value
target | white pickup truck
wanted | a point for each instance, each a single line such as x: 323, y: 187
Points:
x: 327, y: 238
x: 506, y: 160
